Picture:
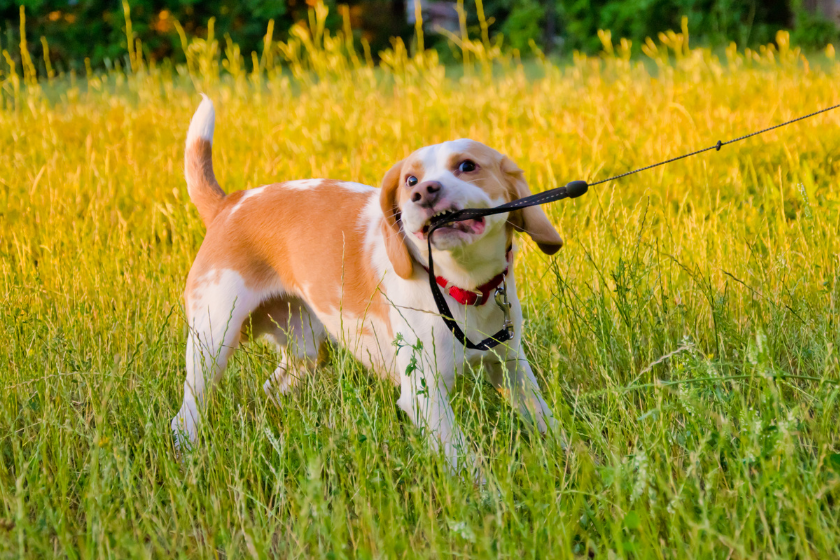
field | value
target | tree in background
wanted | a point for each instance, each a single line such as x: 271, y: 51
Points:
x: 76, y: 29
x: 575, y: 23
x: 746, y: 22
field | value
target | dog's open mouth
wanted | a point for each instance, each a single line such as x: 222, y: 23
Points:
x: 473, y: 226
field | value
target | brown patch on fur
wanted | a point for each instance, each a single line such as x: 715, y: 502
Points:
x: 389, y: 201
x: 202, y: 186
x: 308, y: 243
x: 532, y: 220
x: 489, y: 176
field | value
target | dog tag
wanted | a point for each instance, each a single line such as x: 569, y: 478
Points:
x: 504, y: 305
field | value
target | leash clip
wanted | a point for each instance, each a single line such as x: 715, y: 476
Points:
x: 504, y: 305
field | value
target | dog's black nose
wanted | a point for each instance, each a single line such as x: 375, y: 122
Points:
x: 425, y: 194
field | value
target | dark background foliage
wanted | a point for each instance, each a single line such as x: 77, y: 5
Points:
x: 714, y: 21
x: 77, y: 29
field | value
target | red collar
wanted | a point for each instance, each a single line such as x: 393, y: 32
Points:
x: 477, y: 297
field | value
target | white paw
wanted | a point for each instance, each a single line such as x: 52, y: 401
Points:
x: 268, y: 387
x: 183, y: 432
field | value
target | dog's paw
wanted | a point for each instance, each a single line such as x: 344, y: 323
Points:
x: 182, y: 436
x: 272, y: 393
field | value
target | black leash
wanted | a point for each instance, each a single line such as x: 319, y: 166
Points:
x: 571, y: 190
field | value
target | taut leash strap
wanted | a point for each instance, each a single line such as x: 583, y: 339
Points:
x: 571, y: 190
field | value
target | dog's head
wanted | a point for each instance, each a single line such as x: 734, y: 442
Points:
x: 448, y: 177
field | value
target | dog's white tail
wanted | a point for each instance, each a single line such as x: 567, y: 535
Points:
x: 202, y: 186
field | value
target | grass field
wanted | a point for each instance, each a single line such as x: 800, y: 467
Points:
x: 686, y: 336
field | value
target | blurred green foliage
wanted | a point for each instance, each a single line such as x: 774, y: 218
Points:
x: 711, y: 22
x: 523, y: 24
x: 813, y: 30
x: 76, y: 29
x: 747, y: 22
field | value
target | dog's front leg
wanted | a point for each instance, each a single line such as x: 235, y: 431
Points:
x: 514, y: 378
x: 425, y: 398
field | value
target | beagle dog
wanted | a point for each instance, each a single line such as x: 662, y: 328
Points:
x: 303, y: 261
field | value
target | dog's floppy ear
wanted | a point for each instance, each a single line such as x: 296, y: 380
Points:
x: 392, y: 232
x: 531, y: 220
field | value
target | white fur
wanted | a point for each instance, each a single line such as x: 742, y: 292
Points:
x: 221, y: 302
x: 215, y: 314
x: 355, y: 187
x: 203, y: 122
x: 449, y: 254
x: 303, y: 184
x: 251, y: 193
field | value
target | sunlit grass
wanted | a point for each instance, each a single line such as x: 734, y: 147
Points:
x: 721, y: 271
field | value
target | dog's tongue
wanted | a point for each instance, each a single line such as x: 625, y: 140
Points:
x: 469, y: 226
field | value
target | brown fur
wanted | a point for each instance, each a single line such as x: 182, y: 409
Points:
x: 204, y: 190
x: 389, y: 201
x: 532, y: 220
x: 296, y: 236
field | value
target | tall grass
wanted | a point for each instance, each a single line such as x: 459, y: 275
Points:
x: 686, y: 335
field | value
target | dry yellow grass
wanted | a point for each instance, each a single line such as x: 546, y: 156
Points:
x: 731, y: 259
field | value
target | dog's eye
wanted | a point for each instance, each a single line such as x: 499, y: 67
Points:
x: 411, y: 180
x: 466, y: 166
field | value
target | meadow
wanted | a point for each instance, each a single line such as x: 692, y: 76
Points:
x: 686, y: 335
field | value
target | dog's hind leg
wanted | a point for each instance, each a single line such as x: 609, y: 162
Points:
x: 298, y: 334
x: 216, y: 308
